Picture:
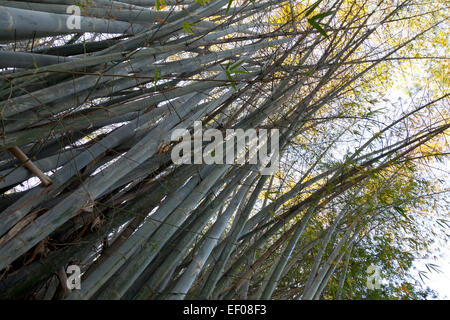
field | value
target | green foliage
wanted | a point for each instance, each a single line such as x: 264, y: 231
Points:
x: 202, y: 2
x: 159, y: 4
x: 187, y: 27
x: 232, y: 69
x: 156, y: 78
x: 315, y: 22
x: 228, y: 6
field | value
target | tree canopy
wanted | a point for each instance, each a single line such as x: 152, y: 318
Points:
x: 357, y: 89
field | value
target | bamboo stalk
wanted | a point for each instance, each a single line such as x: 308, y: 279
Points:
x: 46, y: 181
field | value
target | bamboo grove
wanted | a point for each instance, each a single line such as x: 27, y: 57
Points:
x: 85, y: 163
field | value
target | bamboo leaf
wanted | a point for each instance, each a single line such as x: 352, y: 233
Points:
x: 317, y: 26
x: 187, y: 27
x: 313, y: 7
x: 322, y: 15
x: 228, y: 6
